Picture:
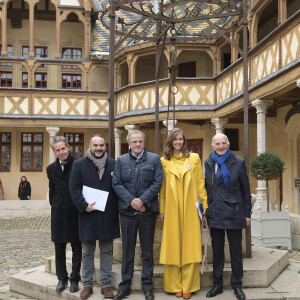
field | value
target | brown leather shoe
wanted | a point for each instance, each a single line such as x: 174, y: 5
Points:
x: 86, y: 292
x: 107, y: 292
x: 178, y: 294
x: 187, y: 295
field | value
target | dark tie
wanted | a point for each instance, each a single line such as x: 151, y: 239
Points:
x: 62, y: 166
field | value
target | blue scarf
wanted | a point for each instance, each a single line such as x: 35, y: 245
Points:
x: 221, y: 161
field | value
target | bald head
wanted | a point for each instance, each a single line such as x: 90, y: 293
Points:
x: 220, y: 143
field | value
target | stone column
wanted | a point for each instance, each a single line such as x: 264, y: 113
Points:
x: 52, y: 133
x: 57, y: 30
x: 170, y: 124
x: 118, y: 135
x: 219, y: 124
x: 4, y: 29
x: 132, y: 127
x: 261, y: 110
x: 31, y: 28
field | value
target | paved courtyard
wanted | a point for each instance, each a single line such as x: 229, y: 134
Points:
x: 24, y: 244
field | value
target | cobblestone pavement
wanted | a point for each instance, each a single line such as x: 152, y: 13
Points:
x: 24, y: 244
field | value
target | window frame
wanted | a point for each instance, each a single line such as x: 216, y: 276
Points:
x: 74, y: 144
x: 24, y: 73
x: 32, y: 144
x: 71, y: 56
x: 40, y: 73
x: 9, y: 53
x: 6, y: 72
x: 71, y: 82
x: 5, y: 144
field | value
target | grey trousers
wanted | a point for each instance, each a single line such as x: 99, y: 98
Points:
x: 88, y: 264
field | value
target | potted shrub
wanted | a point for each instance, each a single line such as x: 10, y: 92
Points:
x: 271, y: 228
x: 267, y: 166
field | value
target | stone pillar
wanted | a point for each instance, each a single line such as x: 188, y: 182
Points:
x: 132, y: 127
x: 219, y: 124
x: 4, y: 29
x: 57, y: 30
x: 52, y: 133
x: 118, y: 136
x: 31, y: 28
x: 261, y: 110
x: 170, y: 124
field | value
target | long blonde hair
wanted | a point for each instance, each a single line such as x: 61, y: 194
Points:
x: 169, y: 150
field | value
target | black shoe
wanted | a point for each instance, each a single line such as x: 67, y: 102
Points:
x: 74, y: 287
x: 239, y: 294
x: 149, y: 295
x: 121, y: 295
x: 216, y: 290
x: 61, y: 285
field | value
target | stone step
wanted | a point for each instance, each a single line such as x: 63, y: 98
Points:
x: 37, y: 284
x: 259, y: 271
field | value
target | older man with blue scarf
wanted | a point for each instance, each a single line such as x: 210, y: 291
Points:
x: 229, y: 210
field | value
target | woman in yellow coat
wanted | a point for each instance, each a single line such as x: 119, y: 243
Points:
x: 183, y: 184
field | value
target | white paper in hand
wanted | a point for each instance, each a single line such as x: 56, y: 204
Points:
x: 93, y: 195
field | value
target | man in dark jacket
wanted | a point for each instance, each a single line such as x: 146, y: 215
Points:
x: 64, y: 215
x: 137, y: 179
x: 95, y: 171
x: 229, y: 209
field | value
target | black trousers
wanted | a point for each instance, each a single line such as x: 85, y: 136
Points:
x: 145, y: 224
x: 60, y: 261
x: 236, y: 256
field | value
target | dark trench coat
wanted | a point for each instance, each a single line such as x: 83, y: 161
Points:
x: 95, y: 225
x: 228, y: 208
x: 64, y: 214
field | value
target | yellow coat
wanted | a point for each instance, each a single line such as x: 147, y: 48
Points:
x: 190, y: 251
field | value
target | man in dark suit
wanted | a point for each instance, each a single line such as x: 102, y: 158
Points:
x: 95, y: 171
x: 64, y: 215
x: 137, y: 179
x: 229, y: 209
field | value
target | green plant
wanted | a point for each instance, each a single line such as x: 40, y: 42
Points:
x: 267, y: 166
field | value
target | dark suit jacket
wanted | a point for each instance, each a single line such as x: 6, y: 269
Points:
x: 95, y: 225
x: 64, y: 214
x: 227, y: 208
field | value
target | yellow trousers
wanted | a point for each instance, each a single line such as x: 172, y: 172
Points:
x: 185, y: 278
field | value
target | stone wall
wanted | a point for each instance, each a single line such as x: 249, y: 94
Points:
x: 24, y: 208
x: 295, y: 231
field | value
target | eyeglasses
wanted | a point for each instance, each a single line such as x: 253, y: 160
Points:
x: 137, y: 142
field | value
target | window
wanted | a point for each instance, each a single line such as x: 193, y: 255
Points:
x: 32, y: 152
x: 24, y: 80
x: 41, y: 80
x: 71, y: 53
x: 25, y: 51
x: 71, y: 81
x: 233, y: 137
x: 9, y: 53
x: 6, y: 79
x: 75, y: 141
x: 41, y: 52
x: 5, y: 146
